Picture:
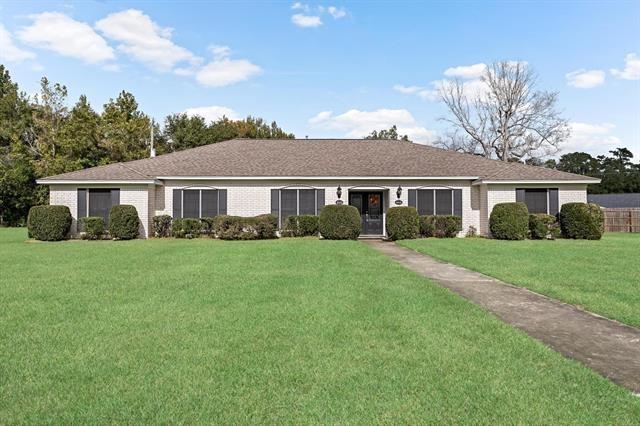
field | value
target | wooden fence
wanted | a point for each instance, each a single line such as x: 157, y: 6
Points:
x: 622, y: 220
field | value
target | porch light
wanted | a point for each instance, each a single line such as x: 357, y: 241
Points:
x: 339, y: 192
x: 399, y: 192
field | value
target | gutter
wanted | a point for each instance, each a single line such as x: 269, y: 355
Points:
x: 534, y: 182
x: 97, y: 182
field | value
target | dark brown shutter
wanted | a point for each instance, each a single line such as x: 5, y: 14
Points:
x: 319, y: 200
x: 115, y: 197
x: 520, y: 195
x: 412, y: 198
x: 554, y: 202
x: 222, y: 201
x: 457, y: 202
x: 275, y: 204
x: 82, y: 203
x: 177, y: 203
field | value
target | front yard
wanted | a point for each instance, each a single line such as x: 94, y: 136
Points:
x: 600, y: 276
x: 287, y: 331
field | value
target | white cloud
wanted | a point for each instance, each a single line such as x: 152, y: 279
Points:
x: 336, y: 13
x: 583, y: 79
x: 356, y: 124
x: 222, y: 71
x: 306, y: 21
x: 59, y: 33
x: 466, y: 71
x: 594, y: 138
x: 631, y: 70
x: 407, y: 90
x: 144, y: 40
x: 300, y: 6
x: 9, y: 51
x: 212, y: 113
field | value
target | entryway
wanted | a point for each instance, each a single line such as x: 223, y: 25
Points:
x: 370, y: 206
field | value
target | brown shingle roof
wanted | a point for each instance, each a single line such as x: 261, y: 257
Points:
x: 317, y: 158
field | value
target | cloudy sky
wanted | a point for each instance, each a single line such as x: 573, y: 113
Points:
x: 332, y: 69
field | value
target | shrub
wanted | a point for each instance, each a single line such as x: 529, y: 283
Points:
x: 207, y: 226
x: 427, y: 226
x: 509, y: 221
x: 49, y: 223
x: 582, y: 221
x: 339, y: 222
x: 444, y: 226
x: 162, y: 226
x: 186, y: 228
x: 300, y: 226
x: 263, y: 226
x: 246, y: 228
x: 124, y: 223
x: 543, y: 226
x: 472, y: 232
x: 402, y: 223
x: 93, y: 227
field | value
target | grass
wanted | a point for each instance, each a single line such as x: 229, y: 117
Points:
x: 600, y: 276
x: 286, y: 332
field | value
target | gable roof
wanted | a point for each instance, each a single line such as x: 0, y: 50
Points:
x: 322, y: 158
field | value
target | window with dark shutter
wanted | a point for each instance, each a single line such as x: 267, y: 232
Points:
x: 425, y: 202
x: 209, y: 203
x: 191, y: 203
x: 307, y: 201
x: 536, y: 200
x: 288, y: 203
x: 444, y: 202
x: 100, y: 202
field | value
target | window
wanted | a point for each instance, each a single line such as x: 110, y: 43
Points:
x: 539, y: 200
x: 435, y: 201
x: 291, y: 202
x: 97, y: 202
x: 198, y: 203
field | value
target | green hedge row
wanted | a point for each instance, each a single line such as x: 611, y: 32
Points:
x: 49, y: 223
x: 300, y: 226
x: 582, y: 221
x: 339, y: 222
x: 93, y: 228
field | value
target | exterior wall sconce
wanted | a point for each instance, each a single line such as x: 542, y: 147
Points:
x: 399, y: 194
x: 339, y: 194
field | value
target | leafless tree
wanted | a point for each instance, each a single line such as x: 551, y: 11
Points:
x: 505, y: 117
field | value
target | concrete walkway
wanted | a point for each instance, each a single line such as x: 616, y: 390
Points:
x: 610, y: 348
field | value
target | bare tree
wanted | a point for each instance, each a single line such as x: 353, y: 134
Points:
x: 506, y: 118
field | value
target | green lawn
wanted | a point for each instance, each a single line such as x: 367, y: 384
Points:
x: 288, y: 331
x: 600, y: 276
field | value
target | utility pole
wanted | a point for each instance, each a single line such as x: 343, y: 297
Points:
x: 152, y: 152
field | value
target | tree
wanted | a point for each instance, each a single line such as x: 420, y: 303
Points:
x: 17, y: 185
x: 16, y: 114
x: 507, y: 118
x: 49, y: 114
x: 392, y: 134
x: 185, y: 131
x: 80, y: 137
x: 125, y: 131
x: 580, y: 163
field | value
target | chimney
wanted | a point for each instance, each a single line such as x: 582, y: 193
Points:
x: 152, y: 151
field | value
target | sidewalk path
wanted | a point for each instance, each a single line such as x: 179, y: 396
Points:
x: 607, y: 346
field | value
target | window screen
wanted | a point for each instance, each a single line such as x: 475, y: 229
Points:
x: 536, y: 200
x: 288, y: 203
x: 191, y: 203
x: 100, y: 203
x: 444, y: 202
x: 307, y: 203
x: 209, y: 203
x: 425, y: 202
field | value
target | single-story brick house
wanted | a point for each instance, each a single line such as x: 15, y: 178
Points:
x: 248, y: 177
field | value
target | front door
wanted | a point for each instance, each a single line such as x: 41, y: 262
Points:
x: 369, y: 204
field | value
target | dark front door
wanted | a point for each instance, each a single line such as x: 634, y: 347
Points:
x: 369, y: 204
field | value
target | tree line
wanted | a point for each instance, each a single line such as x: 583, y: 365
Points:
x: 43, y: 136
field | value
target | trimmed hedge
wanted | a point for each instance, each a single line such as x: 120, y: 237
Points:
x: 509, y: 221
x: 186, y: 228
x: 207, y: 226
x: 543, y: 226
x: 93, y: 228
x: 49, y: 223
x: 582, y: 221
x: 402, y: 223
x: 124, y: 223
x: 339, y: 222
x: 444, y: 226
x: 162, y: 226
x: 300, y: 226
x: 246, y: 228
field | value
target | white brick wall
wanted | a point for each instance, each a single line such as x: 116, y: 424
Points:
x: 251, y: 198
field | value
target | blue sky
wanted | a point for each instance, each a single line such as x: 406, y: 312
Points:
x: 332, y: 69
